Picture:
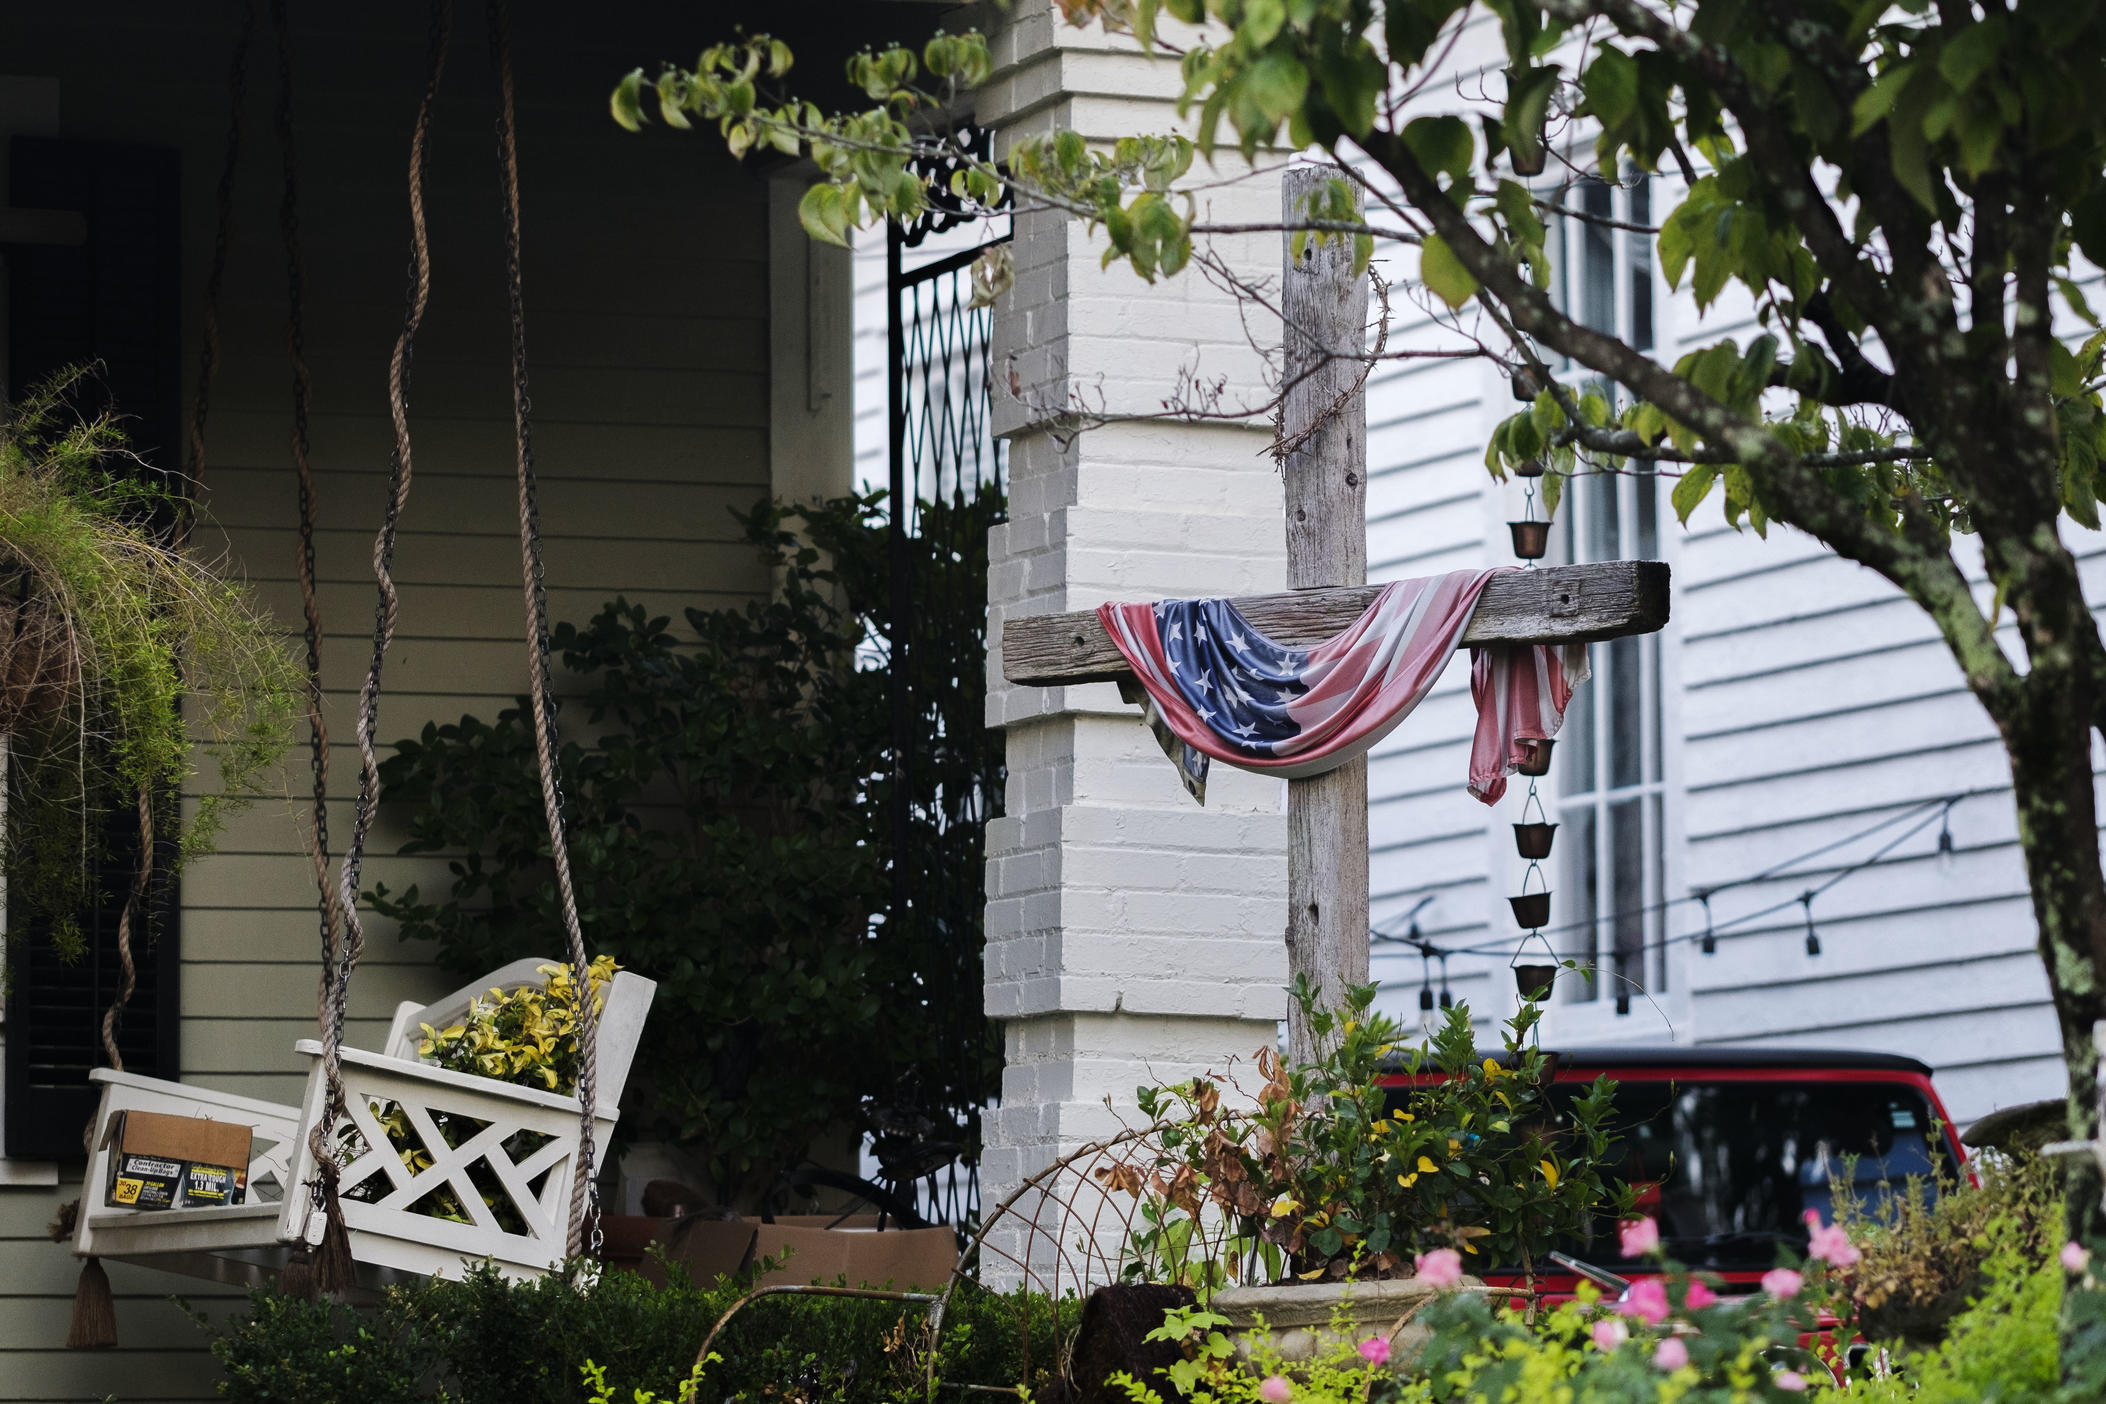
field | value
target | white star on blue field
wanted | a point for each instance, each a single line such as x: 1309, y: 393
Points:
x: 1237, y: 680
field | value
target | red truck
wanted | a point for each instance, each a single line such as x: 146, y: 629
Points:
x: 1731, y: 1146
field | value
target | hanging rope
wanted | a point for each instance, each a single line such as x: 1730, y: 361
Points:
x: 332, y: 1261
x: 93, y: 1325
x: 584, y: 1206
x: 310, y: 607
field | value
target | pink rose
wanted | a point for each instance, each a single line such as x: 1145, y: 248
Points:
x: 1699, y: 1296
x: 1275, y: 1390
x: 2075, y: 1256
x: 1610, y: 1333
x: 1789, y: 1380
x: 1640, y: 1237
x: 1375, y: 1350
x: 1646, y: 1300
x: 1782, y: 1283
x: 1672, y: 1354
x: 1829, y: 1243
x: 1442, y: 1268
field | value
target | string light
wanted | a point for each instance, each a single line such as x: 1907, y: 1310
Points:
x: 1945, y: 858
x: 1939, y: 809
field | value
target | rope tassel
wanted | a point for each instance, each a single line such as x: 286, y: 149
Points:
x: 94, y: 1324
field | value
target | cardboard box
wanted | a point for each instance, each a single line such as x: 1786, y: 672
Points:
x: 853, y: 1248
x: 175, y: 1162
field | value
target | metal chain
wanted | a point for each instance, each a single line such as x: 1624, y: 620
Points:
x: 584, y: 1200
x: 310, y: 607
x: 385, y: 607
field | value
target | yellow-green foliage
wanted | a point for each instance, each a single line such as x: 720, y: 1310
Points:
x: 163, y: 648
x: 528, y: 1036
x: 2003, y: 1349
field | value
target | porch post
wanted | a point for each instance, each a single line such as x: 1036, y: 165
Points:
x: 1133, y: 936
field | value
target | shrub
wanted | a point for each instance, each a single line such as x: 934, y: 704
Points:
x: 485, y: 1340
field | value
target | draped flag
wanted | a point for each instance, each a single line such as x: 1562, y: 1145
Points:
x: 1215, y: 688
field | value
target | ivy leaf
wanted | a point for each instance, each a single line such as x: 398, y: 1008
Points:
x: 1444, y: 274
x: 626, y: 102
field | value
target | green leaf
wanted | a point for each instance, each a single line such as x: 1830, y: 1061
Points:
x: 1610, y: 84
x: 1278, y: 84
x: 1443, y: 273
x: 2065, y: 375
x: 2074, y: 296
x: 1875, y: 102
x: 1970, y: 53
x: 1528, y: 93
x: 824, y: 213
x: 1442, y: 144
x: 626, y: 102
x: 1694, y: 487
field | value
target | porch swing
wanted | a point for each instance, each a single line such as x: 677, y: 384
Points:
x: 503, y: 1173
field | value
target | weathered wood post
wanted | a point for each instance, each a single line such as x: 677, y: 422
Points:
x: 1323, y: 421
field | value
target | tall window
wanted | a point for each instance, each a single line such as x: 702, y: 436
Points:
x: 1608, y: 763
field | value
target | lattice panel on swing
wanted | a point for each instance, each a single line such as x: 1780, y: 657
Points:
x: 456, y: 1167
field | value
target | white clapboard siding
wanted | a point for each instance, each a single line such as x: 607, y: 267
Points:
x: 647, y: 295
x: 1807, y: 700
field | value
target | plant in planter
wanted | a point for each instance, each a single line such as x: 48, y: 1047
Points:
x: 1339, y: 1181
x: 527, y: 1036
x: 118, y: 651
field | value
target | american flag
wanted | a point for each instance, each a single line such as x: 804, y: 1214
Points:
x: 1216, y: 688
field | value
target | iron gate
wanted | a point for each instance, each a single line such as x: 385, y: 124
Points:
x: 948, y: 487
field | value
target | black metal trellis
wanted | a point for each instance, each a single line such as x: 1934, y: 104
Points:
x: 948, y: 486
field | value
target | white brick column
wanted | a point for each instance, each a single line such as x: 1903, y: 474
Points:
x: 1132, y: 936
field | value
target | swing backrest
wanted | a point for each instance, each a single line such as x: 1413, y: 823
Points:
x: 626, y: 1003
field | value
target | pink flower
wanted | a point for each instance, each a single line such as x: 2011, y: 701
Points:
x: 1442, y: 1268
x: 1782, y: 1283
x: 1375, y: 1350
x: 1610, y: 1333
x: 1672, y: 1354
x: 2075, y: 1256
x: 1790, y: 1381
x: 1275, y: 1390
x: 1829, y: 1243
x: 1646, y: 1300
x: 1699, y: 1296
x: 1640, y: 1237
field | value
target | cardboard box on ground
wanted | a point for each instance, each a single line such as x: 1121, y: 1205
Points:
x: 175, y: 1162
x: 820, y: 1247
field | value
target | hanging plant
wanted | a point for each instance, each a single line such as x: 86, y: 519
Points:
x: 118, y: 652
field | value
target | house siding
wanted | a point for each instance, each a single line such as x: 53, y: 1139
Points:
x: 1804, y: 700
x: 646, y: 277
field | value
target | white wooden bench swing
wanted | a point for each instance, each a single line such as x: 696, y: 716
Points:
x: 489, y: 1172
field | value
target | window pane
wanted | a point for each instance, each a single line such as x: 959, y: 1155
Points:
x: 1648, y: 487
x: 1581, y: 896
x: 1626, y: 915
x: 1604, y: 520
x: 1656, y: 924
x: 1640, y: 248
x: 1597, y: 258
x: 1626, y: 713
x: 1574, y: 752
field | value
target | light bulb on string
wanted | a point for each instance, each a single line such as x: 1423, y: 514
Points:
x: 1425, y: 975
x: 1447, y: 999
x: 1813, y: 938
x: 1709, y: 945
x: 1945, y: 859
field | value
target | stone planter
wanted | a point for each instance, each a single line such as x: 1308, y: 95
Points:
x: 1301, y: 1320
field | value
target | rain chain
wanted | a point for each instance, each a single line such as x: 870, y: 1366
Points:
x: 1533, y: 978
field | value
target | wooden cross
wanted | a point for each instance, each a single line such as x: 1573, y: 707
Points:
x: 1324, y: 307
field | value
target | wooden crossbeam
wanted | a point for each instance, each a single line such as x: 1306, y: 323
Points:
x: 1557, y: 604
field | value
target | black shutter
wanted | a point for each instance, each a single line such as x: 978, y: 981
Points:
x: 116, y: 300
